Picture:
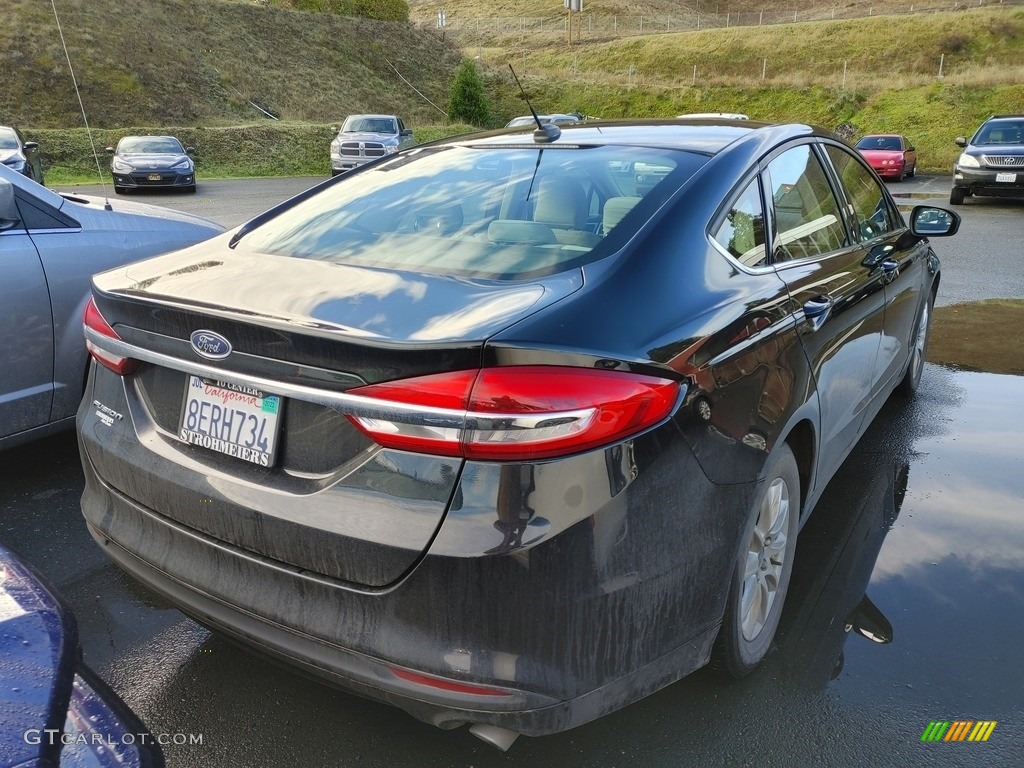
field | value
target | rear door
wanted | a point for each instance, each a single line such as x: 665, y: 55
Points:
x: 842, y: 299
x: 26, y: 364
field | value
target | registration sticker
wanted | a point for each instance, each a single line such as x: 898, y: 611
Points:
x: 224, y: 417
x: 1007, y: 177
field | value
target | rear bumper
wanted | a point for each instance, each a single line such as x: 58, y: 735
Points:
x: 567, y: 589
x: 174, y: 562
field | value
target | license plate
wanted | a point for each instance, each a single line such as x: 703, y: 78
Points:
x: 154, y: 177
x: 1009, y: 177
x: 239, y: 421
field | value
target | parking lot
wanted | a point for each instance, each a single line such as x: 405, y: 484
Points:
x: 905, y: 607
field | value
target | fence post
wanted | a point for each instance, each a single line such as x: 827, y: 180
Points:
x: 694, y: 81
x: 842, y: 87
x: 727, y: 20
x: 942, y: 60
x: 760, y: 19
x: 764, y: 68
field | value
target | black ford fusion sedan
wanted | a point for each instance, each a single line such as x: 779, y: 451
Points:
x: 514, y: 429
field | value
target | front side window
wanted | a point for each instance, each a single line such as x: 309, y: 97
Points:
x: 872, y: 214
x: 500, y: 212
x: 741, y: 232
x: 807, y: 217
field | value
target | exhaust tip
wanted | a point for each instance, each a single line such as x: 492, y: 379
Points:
x: 502, y: 738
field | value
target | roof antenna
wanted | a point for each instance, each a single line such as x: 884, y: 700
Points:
x: 106, y: 199
x: 545, y: 134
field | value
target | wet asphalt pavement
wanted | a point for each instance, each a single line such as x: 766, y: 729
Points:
x: 906, y: 607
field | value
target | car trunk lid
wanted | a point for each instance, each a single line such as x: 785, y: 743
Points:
x: 333, y: 502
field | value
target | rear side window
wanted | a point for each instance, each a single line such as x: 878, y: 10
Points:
x: 873, y: 215
x: 503, y: 212
x: 807, y: 216
x: 741, y: 232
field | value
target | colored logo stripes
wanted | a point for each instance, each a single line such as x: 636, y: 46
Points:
x: 958, y: 730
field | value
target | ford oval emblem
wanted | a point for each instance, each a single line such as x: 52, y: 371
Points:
x: 210, y: 344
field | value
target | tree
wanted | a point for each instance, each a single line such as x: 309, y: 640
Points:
x: 466, y: 100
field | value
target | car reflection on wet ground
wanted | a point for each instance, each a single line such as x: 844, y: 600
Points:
x: 906, y: 607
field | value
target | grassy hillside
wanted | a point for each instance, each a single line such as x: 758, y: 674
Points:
x: 200, y: 62
x: 197, y: 65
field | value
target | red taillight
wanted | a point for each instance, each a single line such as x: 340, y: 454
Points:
x: 518, y: 412
x: 444, y: 684
x: 96, y: 322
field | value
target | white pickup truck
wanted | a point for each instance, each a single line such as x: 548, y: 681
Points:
x: 363, y: 138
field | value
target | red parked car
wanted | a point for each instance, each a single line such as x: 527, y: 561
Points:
x: 892, y: 156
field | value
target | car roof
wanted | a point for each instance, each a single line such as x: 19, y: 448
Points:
x: 882, y: 136
x: 706, y: 136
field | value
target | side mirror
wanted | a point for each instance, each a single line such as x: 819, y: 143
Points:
x: 109, y: 150
x: 406, y: 132
x: 960, y: 141
x: 911, y: 149
x: 30, y: 145
x: 9, y: 216
x: 190, y: 150
x: 929, y: 221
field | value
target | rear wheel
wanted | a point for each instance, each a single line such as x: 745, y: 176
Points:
x: 761, y: 574
x: 918, y: 344
x: 957, y: 195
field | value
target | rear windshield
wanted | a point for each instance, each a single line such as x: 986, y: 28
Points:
x: 502, y: 212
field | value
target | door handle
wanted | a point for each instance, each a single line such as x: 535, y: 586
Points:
x: 816, y: 311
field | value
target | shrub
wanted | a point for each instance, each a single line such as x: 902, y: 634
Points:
x: 466, y: 100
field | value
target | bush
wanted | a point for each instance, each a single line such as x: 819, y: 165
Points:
x: 466, y: 100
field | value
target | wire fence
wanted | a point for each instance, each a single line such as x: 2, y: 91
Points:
x: 602, y: 26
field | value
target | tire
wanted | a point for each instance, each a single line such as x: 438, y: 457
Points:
x: 957, y: 195
x: 119, y: 190
x: 913, y: 170
x: 918, y: 344
x: 191, y: 190
x: 762, y: 571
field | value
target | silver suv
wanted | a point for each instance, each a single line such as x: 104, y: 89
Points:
x: 363, y: 138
